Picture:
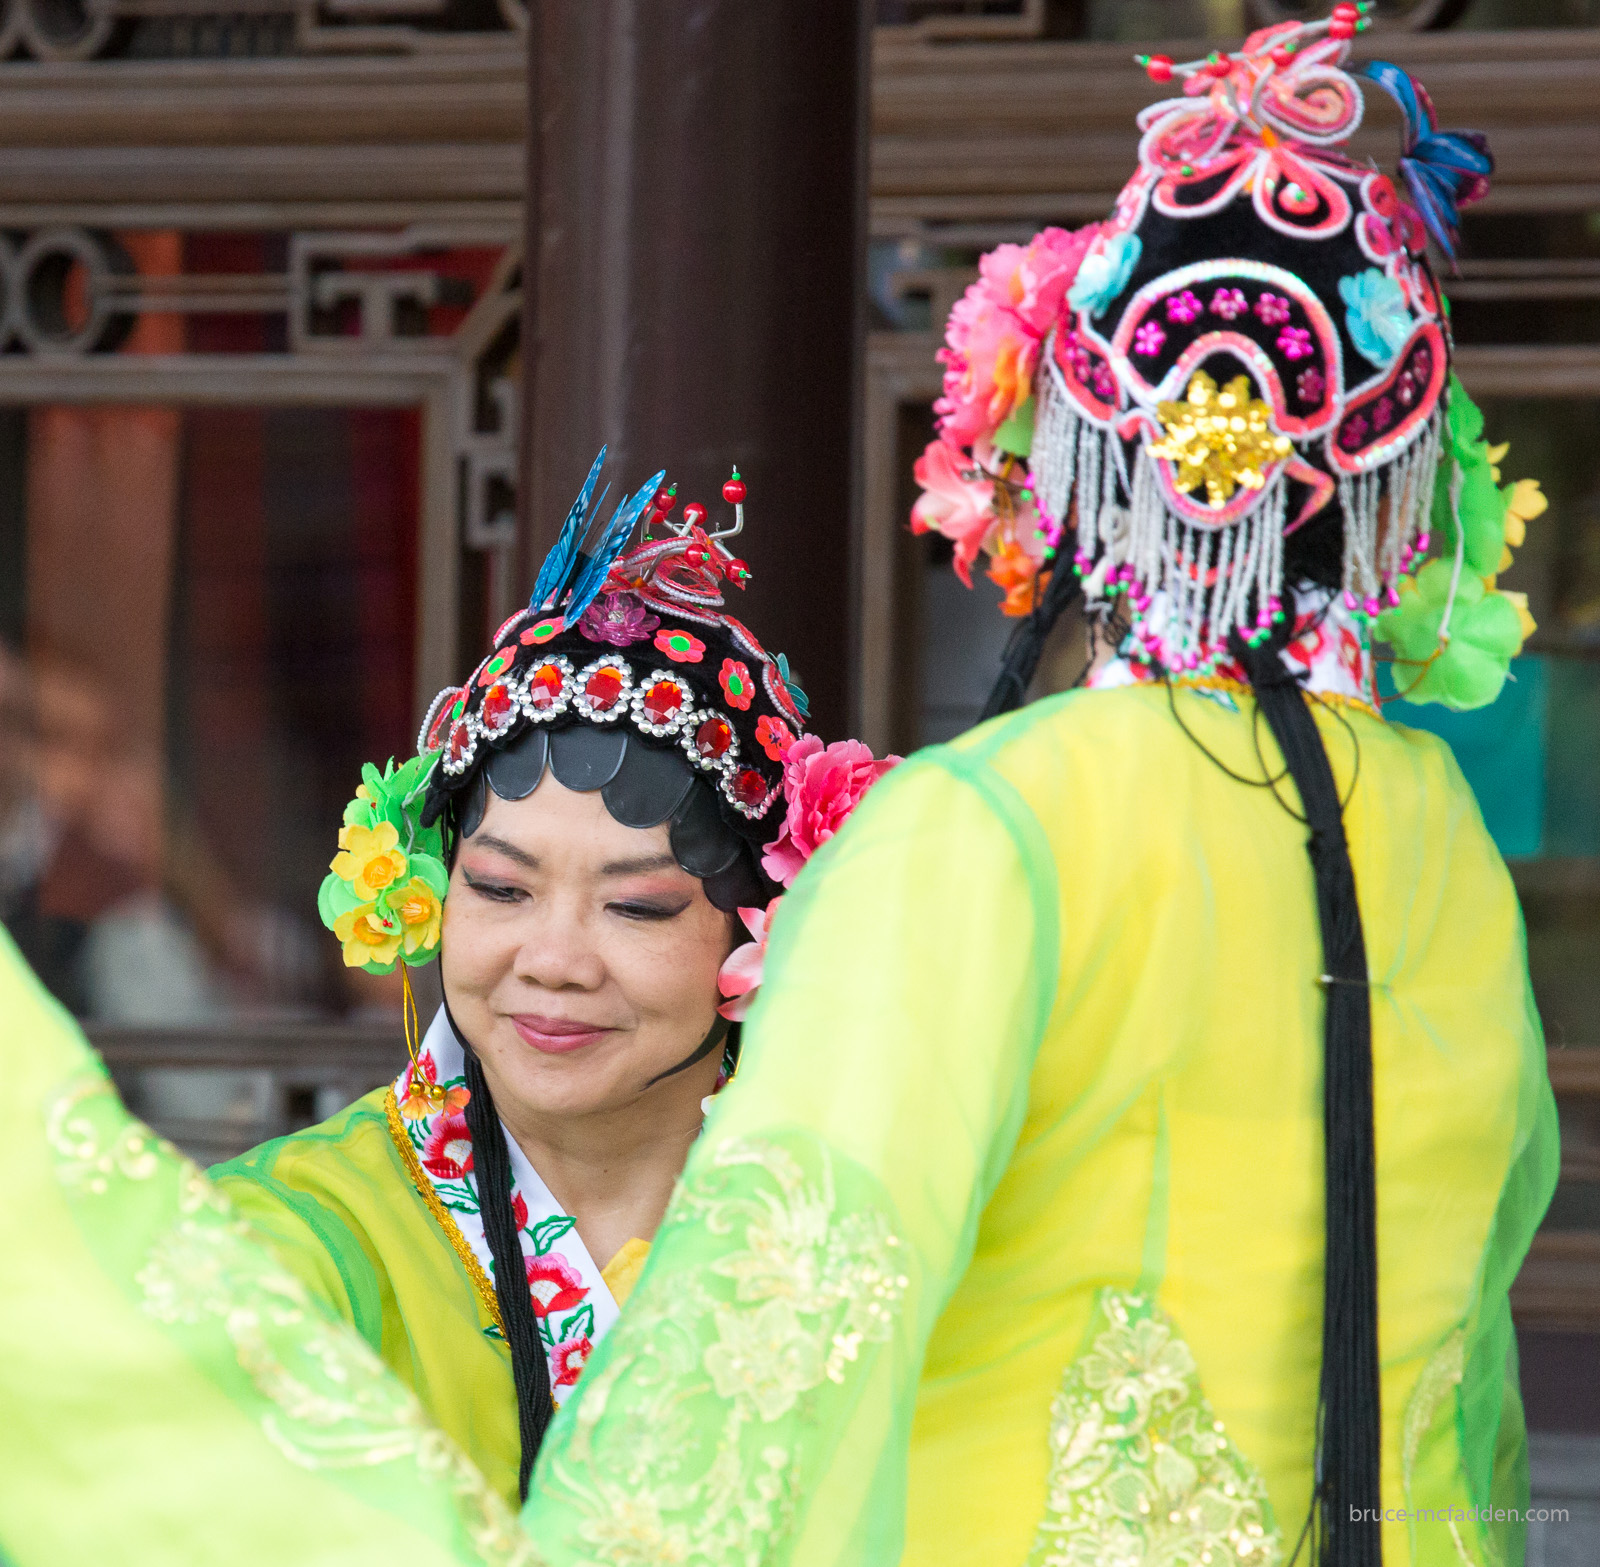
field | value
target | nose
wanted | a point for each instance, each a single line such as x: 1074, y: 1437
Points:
x: 559, y: 952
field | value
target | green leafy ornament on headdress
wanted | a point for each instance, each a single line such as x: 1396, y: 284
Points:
x: 384, y: 894
x: 1454, y: 633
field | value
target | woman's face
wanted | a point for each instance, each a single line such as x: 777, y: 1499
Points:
x: 580, y: 960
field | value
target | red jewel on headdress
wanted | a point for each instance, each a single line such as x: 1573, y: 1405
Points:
x: 459, y: 738
x: 603, y: 688
x: 694, y: 514
x: 713, y: 738
x: 497, y: 706
x: 733, y: 492
x: 662, y: 700
x: 1158, y: 67
x: 544, y: 686
x: 749, y: 787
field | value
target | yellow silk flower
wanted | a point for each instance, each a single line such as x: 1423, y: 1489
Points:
x: 370, y: 858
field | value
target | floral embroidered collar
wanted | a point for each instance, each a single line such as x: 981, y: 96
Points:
x: 1328, y: 654
x: 572, y: 1305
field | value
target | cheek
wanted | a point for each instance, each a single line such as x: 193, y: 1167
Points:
x: 478, y: 948
x: 671, y: 972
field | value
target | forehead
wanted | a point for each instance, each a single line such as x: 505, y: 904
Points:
x: 564, y: 827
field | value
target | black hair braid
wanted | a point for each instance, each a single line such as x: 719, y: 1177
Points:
x: 491, y: 1164
x: 1026, y: 647
x: 1346, y: 1499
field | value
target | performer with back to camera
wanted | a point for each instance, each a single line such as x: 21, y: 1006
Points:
x: 1145, y: 1112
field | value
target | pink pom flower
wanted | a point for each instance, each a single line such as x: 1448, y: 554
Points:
x: 823, y: 785
x: 995, y: 329
x: 960, y: 508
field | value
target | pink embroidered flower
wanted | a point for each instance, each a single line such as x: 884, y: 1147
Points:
x: 1354, y: 432
x: 1184, y: 307
x: 737, y: 686
x: 1310, y: 386
x: 960, y: 508
x: 618, y: 619
x: 1383, y: 413
x: 823, y: 785
x: 1273, y: 309
x: 774, y: 736
x: 447, y: 1152
x: 1229, y: 303
x: 554, y: 1285
x: 1103, y: 381
x: 1295, y: 342
x: 568, y: 1360
x: 1148, y: 339
x: 680, y: 646
x: 740, y: 975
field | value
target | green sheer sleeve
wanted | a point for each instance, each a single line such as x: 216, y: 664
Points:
x: 754, y: 1403
x: 169, y: 1394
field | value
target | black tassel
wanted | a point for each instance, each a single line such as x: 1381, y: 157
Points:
x: 1346, y: 1501
x: 530, y: 1371
x: 1026, y: 647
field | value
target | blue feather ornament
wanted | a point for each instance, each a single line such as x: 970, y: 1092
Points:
x: 1443, y: 170
x: 596, y: 566
x: 558, y: 564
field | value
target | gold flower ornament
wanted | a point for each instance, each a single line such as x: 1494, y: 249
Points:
x: 1223, y: 439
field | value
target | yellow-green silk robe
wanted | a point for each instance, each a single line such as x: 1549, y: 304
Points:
x: 1022, y: 1176
x: 353, y: 1217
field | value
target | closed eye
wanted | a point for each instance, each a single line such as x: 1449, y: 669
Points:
x: 648, y: 912
x: 494, y: 891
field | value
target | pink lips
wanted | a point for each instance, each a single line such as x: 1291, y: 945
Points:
x: 556, y: 1036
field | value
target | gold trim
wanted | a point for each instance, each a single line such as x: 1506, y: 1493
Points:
x: 1243, y: 688
x: 481, y: 1282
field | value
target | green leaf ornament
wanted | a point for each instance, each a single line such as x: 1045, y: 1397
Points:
x: 1485, y: 634
x: 1015, y: 434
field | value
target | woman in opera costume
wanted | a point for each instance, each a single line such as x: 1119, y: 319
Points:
x: 1106, y: 1182
x: 595, y: 827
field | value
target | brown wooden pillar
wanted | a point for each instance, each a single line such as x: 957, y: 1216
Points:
x: 692, y: 291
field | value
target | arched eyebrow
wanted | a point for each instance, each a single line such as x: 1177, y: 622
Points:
x: 639, y: 865
x: 510, y: 850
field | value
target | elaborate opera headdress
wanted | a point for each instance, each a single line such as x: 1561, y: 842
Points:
x: 1251, y: 349
x: 625, y: 674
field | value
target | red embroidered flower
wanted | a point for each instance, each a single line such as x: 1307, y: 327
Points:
x: 736, y: 684
x: 1353, y: 657
x: 554, y: 1284
x: 568, y: 1360
x: 448, y: 1151
x: 823, y: 784
x: 680, y: 647
x: 775, y: 736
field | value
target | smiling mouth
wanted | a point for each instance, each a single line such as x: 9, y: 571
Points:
x: 556, y: 1036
